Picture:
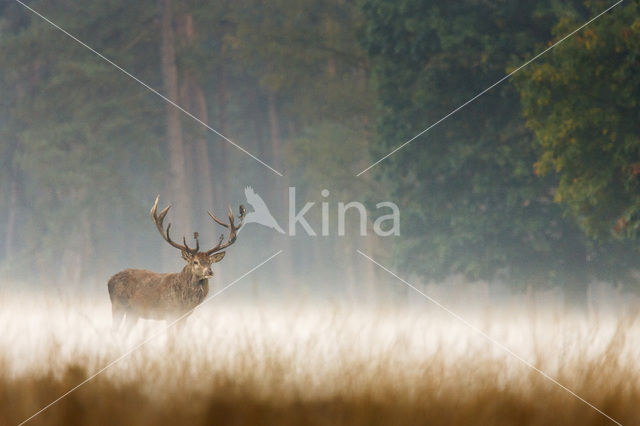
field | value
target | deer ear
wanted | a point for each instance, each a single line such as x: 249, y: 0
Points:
x: 186, y: 256
x: 217, y: 257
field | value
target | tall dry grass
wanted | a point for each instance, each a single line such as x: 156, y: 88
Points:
x: 317, y: 365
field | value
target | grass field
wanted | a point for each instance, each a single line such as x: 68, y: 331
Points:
x: 313, y: 364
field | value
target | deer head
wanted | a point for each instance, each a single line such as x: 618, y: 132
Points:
x: 199, y: 261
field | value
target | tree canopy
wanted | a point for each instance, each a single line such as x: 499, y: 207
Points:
x: 582, y: 104
x: 534, y: 182
x: 473, y: 202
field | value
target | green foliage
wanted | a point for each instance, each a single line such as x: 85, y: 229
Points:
x: 290, y: 81
x: 78, y: 130
x: 582, y: 104
x: 471, y: 201
x: 87, y: 144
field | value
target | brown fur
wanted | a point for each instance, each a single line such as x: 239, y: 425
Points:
x: 138, y: 293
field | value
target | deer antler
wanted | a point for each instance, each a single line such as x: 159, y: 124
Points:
x: 158, y: 220
x: 233, y: 229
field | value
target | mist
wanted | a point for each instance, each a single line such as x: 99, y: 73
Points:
x: 423, y: 189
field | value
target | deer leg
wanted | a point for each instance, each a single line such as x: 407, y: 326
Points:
x: 178, y: 327
x: 130, y: 320
x: 117, y: 313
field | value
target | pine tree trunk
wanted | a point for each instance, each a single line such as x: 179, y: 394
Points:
x: 370, y: 272
x: 191, y: 180
x: 274, y: 128
x: 285, y: 244
x: 221, y: 169
x: 11, y: 217
x: 350, y: 282
x: 220, y: 173
x: 13, y: 189
x: 177, y: 179
x: 257, y: 119
x: 195, y: 99
x: 204, y: 177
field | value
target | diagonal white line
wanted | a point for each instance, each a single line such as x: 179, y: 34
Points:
x: 151, y: 89
x: 491, y: 339
x: 147, y: 340
x: 490, y: 87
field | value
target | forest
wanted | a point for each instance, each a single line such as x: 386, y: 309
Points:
x: 535, y: 183
x: 436, y: 206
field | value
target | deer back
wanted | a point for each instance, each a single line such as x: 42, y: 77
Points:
x: 155, y: 295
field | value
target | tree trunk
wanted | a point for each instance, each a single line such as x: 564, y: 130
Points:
x: 194, y: 97
x: 11, y: 219
x: 257, y: 119
x: 354, y: 290
x: 285, y: 244
x: 13, y: 178
x: 191, y: 180
x: 204, y: 177
x: 221, y: 177
x: 274, y: 129
x: 177, y: 180
x: 370, y: 269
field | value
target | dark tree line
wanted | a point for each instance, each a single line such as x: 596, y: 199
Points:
x: 85, y: 149
x: 536, y: 182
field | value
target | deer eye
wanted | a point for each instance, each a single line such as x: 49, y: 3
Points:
x: 195, y: 262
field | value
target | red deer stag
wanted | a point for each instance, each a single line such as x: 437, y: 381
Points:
x: 138, y: 293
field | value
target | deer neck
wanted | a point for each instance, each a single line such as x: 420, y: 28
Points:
x: 194, y: 289
x: 203, y: 282
x: 191, y: 278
